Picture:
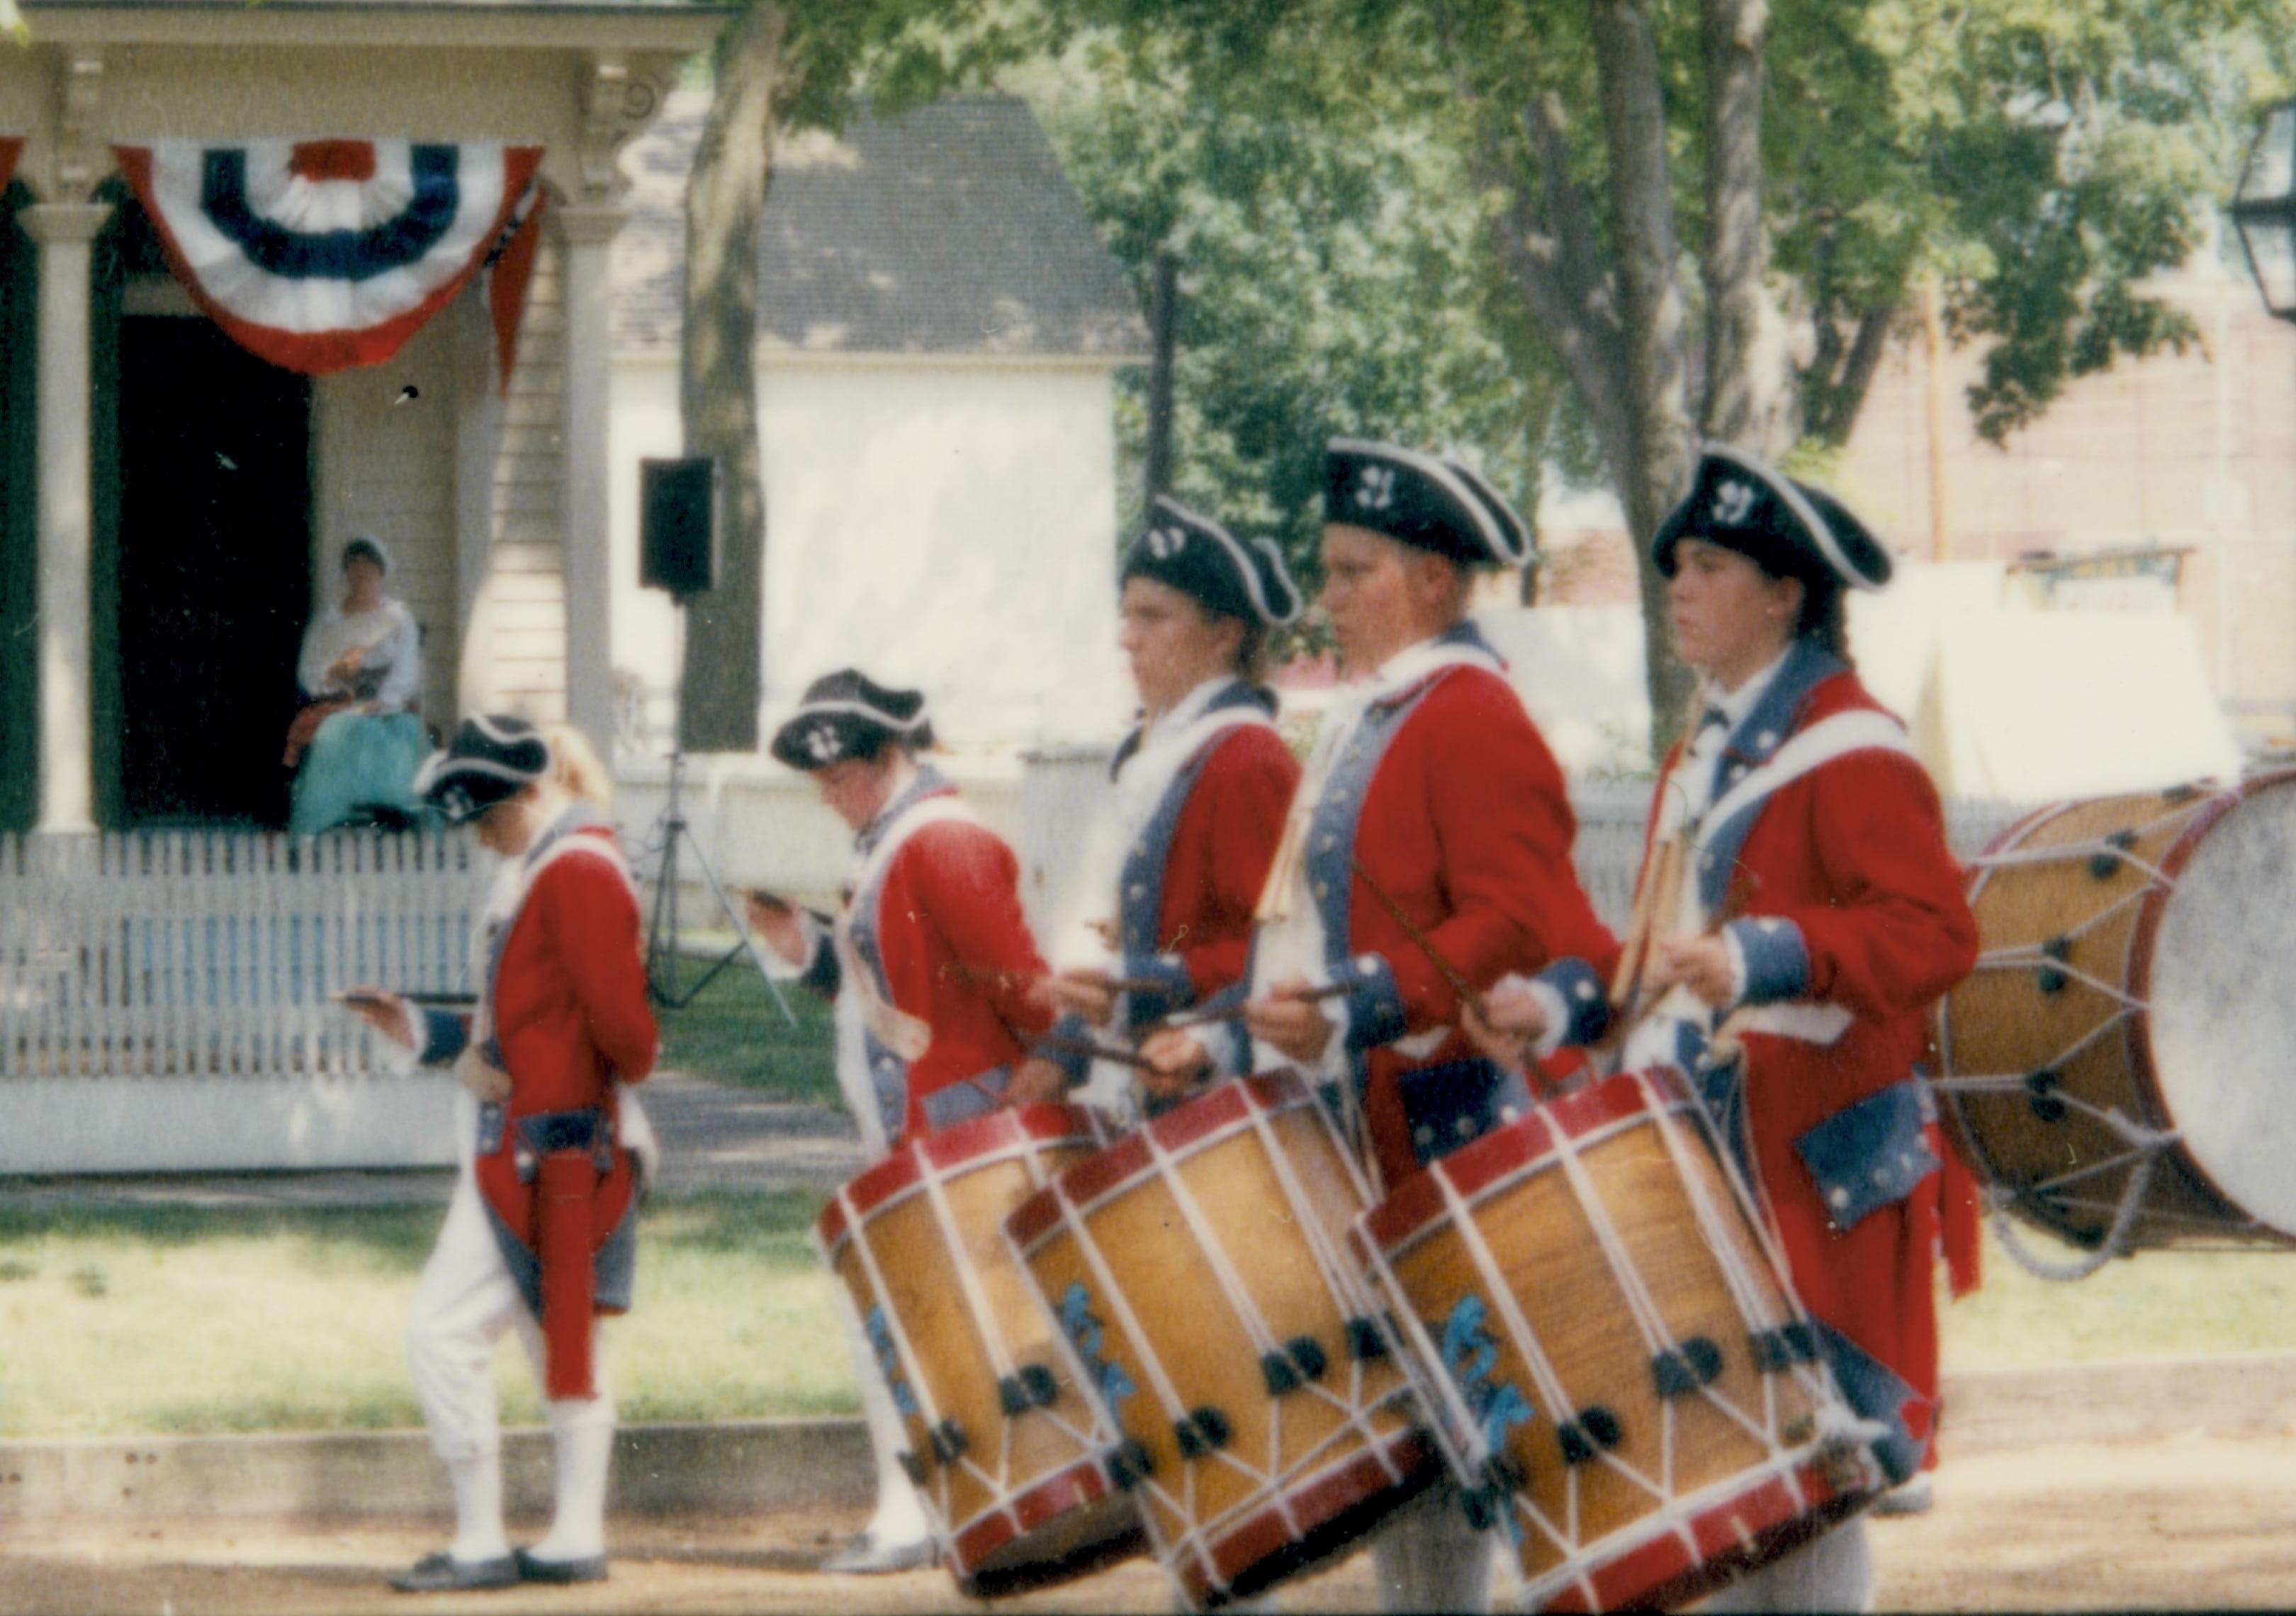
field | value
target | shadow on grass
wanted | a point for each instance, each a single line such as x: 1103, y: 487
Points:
x: 733, y: 1032
x: 390, y: 1239
x: 773, y: 1225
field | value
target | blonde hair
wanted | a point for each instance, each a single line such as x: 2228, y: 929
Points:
x: 575, y: 766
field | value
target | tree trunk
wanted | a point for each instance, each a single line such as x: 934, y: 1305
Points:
x: 1745, y: 362
x: 1651, y: 313
x: 720, y: 683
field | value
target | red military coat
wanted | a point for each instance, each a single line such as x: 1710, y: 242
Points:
x: 565, y: 1014
x: 1200, y: 805
x: 1444, y: 802
x: 1222, y: 843
x: 1848, y: 910
x: 935, y: 931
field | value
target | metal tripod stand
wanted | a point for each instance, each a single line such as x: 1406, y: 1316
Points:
x: 665, y: 965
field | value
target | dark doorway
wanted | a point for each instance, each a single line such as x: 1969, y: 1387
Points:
x: 214, y: 571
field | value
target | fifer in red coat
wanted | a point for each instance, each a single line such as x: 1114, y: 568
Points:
x: 567, y: 1018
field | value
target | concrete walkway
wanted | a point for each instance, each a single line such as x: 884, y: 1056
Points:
x: 714, y: 1136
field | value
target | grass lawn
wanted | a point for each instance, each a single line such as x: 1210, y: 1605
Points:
x: 178, y: 1320
x: 733, y: 1032
x: 119, y: 1321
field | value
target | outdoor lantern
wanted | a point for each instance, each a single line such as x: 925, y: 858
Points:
x: 2265, y: 210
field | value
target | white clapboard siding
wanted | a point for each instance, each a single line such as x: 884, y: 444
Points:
x: 214, y: 953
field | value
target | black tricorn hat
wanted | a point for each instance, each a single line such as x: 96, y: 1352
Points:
x: 491, y: 757
x: 847, y: 714
x: 1203, y: 561
x: 1422, y: 500
x: 1790, y: 529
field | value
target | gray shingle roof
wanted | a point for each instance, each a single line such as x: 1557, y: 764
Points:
x: 948, y: 230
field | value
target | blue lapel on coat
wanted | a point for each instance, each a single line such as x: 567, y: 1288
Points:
x: 1770, y: 725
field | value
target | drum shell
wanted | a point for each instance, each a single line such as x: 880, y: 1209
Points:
x: 1043, y: 1509
x: 1113, y: 1252
x: 1506, y: 1209
x: 2003, y: 1020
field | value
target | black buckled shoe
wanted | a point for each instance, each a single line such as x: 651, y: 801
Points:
x: 442, y: 1573
x: 590, y: 1567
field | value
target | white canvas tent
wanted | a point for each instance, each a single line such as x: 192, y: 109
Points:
x: 2006, y: 701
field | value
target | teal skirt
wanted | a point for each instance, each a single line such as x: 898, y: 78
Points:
x: 357, y: 764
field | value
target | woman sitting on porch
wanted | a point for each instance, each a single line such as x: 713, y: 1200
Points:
x: 358, y: 738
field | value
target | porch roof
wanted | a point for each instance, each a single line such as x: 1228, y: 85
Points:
x: 535, y: 24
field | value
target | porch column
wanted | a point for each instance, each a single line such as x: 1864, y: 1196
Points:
x: 587, y: 232
x: 65, y: 232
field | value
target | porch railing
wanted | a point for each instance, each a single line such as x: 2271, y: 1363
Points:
x: 214, y: 953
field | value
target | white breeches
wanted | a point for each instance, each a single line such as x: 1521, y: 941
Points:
x: 464, y: 1303
x: 1833, y: 1573
x: 1428, y: 1557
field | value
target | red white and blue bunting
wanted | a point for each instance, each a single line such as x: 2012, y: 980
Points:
x: 322, y: 255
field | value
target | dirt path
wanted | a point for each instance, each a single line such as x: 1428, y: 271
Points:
x: 2195, y: 1523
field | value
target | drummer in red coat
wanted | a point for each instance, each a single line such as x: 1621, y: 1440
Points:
x: 1799, y: 914
x: 937, y: 981
x: 540, y: 1235
x: 1176, y: 863
x: 1430, y: 796
x: 932, y: 963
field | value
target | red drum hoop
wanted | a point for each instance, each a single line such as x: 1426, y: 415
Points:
x: 1621, y: 1377
x: 1198, y: 1268
x: 1008, y: 1454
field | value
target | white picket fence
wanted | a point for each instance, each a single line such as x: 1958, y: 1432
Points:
x: 165, y: 996
x: 214, y: 953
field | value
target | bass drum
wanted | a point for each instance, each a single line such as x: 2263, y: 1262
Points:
x: 2116, y: 1067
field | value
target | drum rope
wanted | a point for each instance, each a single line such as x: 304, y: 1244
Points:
x: 2090, y: 846
x: 2132, y: 1197
x: 935, y: 1498
x: 1755, y: 1307
x: 1816, y: 1376
x: 2117, y: 994
x: 1453, y: 1417
x: 1349, y: 1298
x: 1246, y: 1308
x: 1545, y: 1381
x: 1642, y: 1307
x: 1159, y: 1381
x: 1345, y: 1297
x: 2034, y: 953
x: 968, y: 1277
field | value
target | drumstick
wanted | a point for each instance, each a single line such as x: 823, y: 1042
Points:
x: 1098, y: 1051
x: 982, y: 973
x: 1235, y: 1012
x: 1420, y: 940
x: 1468, y: 997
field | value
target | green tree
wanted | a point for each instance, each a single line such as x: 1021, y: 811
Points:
x: 1670, y: 188
x: 1331, y: 278
x: 779, y: 64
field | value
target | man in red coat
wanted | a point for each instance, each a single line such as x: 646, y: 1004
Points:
x: 540, y: 1235
x: 1797, y: 891
x: 1431, y: 806
x: 937, y: 981
x: 1170, y: 877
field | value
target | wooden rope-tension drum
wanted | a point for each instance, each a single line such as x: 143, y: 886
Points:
x: 1624, y: 1382
x: 1199, y: 1269
x: 2117, y: 1068
x: 1007, y: 1454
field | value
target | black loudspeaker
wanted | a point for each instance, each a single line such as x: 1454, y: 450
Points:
x: 677, y: 525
